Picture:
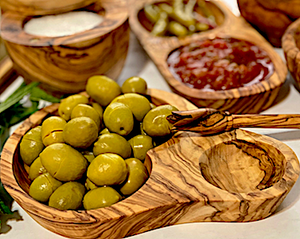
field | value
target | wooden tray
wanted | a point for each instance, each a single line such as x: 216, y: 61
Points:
x: 250, y: 99
x: 235, y: 176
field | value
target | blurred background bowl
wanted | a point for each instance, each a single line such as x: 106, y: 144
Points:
x: 43, y: 7
x: 290, y: 46
x: 63, y: 64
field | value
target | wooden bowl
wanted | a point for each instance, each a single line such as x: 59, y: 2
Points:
x: 63, y: 64
x: 43, y: 7
x: 290, y: 46
x: 233, y: 176
x: 248, y: 99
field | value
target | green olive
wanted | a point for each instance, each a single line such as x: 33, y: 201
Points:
x: 88, y: 155
x: 63, y: 162
x: 67, y: 105
x: 36, y: 169
x: 112, y: 143
x: 102, y: 89
x: 100, y: 197
x: 135, y: 84
x: 107, y: 169
x: 140, y: 145
x: 90, y: 185
x: 137, y: 176
x: 138, y: 104
x: 31, y: 145
x: 155, y: 123
x: 52, y: 130
x: 85, y: 110
x: 43, y: 186
x: 104, y: 131
x: 118, y: 118
x: 80, y: 132
x: 68, y: 196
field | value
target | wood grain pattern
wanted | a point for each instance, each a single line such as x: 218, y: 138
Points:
x: 234, y: 176
x: 43, y: 7
x: 7, y: 73
x: 249, y: 99
x: 208, y: 121
x: 63, y: 64
x: 290, y: 46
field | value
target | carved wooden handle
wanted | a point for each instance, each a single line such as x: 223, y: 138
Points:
x: 211, y: 121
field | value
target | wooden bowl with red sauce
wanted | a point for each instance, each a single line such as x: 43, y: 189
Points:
x: 229, y: 67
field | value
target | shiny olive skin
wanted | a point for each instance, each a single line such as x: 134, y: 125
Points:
x: 80, y: 132
x: 155, y: 123
x: 67, y: 196
x: 52, y: 130
x: 100, y: 197
x: 140, y: 145
x: 36, y: 169
x: 118, y: 118
x: 87, y: 111
x: 63, y: 162
x: 31, y: 145
x: 102, y: 89
x: 134, y: 84
x: 112, y: 143
x: 43, y: 186
x: 67, y: 105
x: 138, y: 104
x: 107, y: 169
x: 137, y: 176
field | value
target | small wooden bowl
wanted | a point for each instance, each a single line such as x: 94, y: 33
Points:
x: 43, y: 7
x: 63, y: 64
x: 290, y: 46
x: 248, y: 99
x: 234, y: 176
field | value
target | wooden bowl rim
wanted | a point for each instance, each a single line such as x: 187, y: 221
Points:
x: 274, y: 81
x: 72, y: 216
x: 289, y: 44
x: 33, y: 9
x: 19, y: 36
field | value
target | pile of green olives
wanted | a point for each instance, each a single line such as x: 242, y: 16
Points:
x: 91, y: 154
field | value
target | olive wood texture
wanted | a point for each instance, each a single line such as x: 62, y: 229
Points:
x: 234, y: 176
x: 208, y: 121
x: 7, y: 73
x: 63, y: 64
x: 248, y: 99
x: 43, y: 7
x: 290, y: 46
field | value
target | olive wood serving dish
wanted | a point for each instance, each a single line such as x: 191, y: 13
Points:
x: 248, y: 99
x: 63, y: 64
x: 234, y: 176
x: 290, y: 46
x: 43, y: 7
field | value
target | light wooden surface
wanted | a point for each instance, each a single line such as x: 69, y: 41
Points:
x: 250, y: 99
x: 185, y: 184
x: 43, y: 7
x: 63, y: 64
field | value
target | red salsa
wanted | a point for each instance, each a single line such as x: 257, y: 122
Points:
x: 220, y: 64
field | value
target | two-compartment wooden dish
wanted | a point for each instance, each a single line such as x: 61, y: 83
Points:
x: 63, y: 64
x: 247, y: 99
x: 234, y: 176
